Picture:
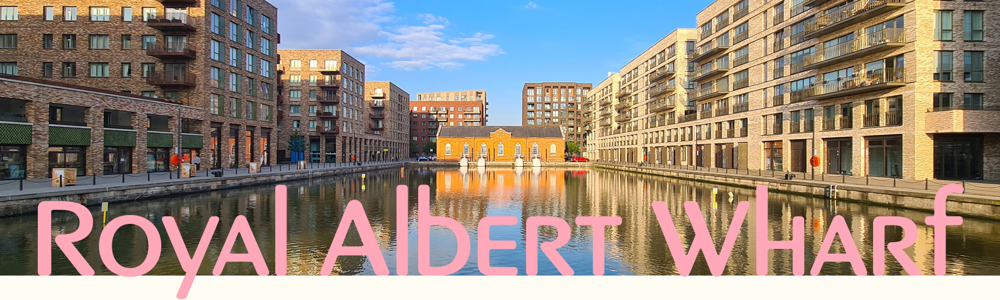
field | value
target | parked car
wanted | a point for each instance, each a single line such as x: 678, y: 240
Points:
x: 422, y: 158
x: 580, y: 159
x: 432, y: 158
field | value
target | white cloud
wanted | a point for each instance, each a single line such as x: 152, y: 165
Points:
x: 531, y: 5
x: 411, y: 47
x: 367, y: 28
x: 331, y: 24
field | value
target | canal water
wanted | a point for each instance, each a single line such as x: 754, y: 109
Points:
x: 637, y: 246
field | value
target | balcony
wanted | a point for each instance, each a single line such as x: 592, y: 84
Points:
x: 832, y: 20
x: 378, y: 94
x: 605, y: 123
x: 794, y: 127
x: 623, y: 93
x: 330, y: 71
x: 962, y: 121
x: 709, y: 70
x: 327, y: 99
x: 328, y: 84
x: 687, y: 118
x: 709, y: 49
x: 778, y: 17
x: 442, y: 118
x: 327, y: 115
x: 329, y: 130
x: 377, y: 104
x: 171, y: 51
x: 741, y: 107
x: 814, y: 3
x: 722, y: 111
x: 872, y: 120
x: 863, y: 44
x: 661, y: 73
x: 829, y: 124
x: 705, y: 114
x: 376, y: 127
x: 778, y: 100
x: 741, y: 13
x: 861, y: 82
x: 171, y: 23
x: 378, y: 116
x: 475, y: 111
x: 605, y: 102
x: 712, y: 91
x: 178, y: 3
x: 623, y: 105
x: 622, y: 118
x: 661, y: 90
x: 172, y: 79
x: 846, y: 122
x: 662, y: 105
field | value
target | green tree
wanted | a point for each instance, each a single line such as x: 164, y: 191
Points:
x: 430, y: 147
x: 572, y: 147
x: 297, y: 143
x: 413, y: 148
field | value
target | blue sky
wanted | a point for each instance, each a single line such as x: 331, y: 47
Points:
x: 432, y: 46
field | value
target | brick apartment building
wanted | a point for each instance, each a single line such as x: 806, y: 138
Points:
x: 556, y: 104
x: 389, y: 117
x: 218, y: 56
x: 323, y: 101
x: 433, y: 110
x: 886, y: 88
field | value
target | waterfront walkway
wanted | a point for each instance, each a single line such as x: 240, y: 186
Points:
x: 979, y: 189
x: 27, y: 188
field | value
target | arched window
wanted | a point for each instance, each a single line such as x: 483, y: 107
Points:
x: 482, y: 150
x: 534, y: 150
x: 517, y: 149
x: 447, y: 149
x: 465, y: 149
x: 500, y: 150
x: 552, y: 150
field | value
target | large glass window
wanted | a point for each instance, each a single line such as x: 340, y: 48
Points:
x: 12, y: 161
x: 69, y: 157
x: 943, y: 25
x: 772, y: 156
x: 117, y: 160
x: 885, y: 157
x: 973, y: 66
x: 958, y: 157
x: 839, y: 156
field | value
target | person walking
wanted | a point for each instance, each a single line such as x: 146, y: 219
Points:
x: 197, y: 162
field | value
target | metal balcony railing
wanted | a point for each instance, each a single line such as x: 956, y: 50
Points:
x: 891, y: 37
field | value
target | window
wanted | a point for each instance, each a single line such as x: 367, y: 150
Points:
x: 973, y: 26
x: 69, y: 13
x: 100, y: 14
x: 47, y: 42
x: 148, y: 42
x: 98, y: 69
x: 973, y: 66
x: 8, y: 41
x: 465, y: 149
x: 8, y: 13
x: 47, y: 70
x: 126, y: 42
x: 234, y: 108
x: 942, y: 25
x: 126, y: 69
x: 215, y: 105
x: 69, y: 41
x: 552, y: 150
x: 741, y: 32
x: 216, y: 50
x: 942, y: 101
x: 265, y: 46
x: 943, y: 65
x: 99, y: 42
x: 235, y: 82
x: 8, y: 68
x: 148, y: 13
x: 48, y: 13
x: 251, y: 16
x: 216, y: 77
x: 265, y: 24
x: 772, y: 156
x: 69, y: 69
x: 296, y: 64
x: 217, y: 24
x: 234, y: 32
x: 148, y: 69
x: 126, y: 14
x: 250, y: 60
x: 234, y: 57
x: 973, y: 101
x: 447, y: 148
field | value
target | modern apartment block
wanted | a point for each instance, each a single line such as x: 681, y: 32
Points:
x: 556, y: 104
x: 215, y: 55
x: 884, y: 88
x: 389, y: 121
x: 323, y: 104
x: 599, y: 115
x: 433, y: 110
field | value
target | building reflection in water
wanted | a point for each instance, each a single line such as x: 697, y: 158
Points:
x: 636, y: 246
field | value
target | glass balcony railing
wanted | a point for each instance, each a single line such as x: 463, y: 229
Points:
x: 853, y: 12
x: 888, y: 37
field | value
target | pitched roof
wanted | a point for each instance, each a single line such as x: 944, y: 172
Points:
x: 515, y: 131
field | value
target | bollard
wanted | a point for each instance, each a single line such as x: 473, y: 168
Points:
x: 93, y: 178
x: 21, y: 183
x: 894, y: 182
x: 926, y: 184
x: 171, y: 174
x: 123, y: 178
x: 61, y: 180
x: 147, y: 176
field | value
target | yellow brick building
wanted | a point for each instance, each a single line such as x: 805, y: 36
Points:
x: 500, y: 143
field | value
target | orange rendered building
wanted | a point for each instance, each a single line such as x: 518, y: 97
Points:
x: 500, y: 143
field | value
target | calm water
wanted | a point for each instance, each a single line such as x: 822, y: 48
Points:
x: 635, y: 247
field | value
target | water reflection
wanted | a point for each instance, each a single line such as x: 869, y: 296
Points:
x: 636, y: 246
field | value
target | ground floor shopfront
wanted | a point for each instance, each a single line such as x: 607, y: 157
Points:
x: 341, y: 148
x: 946, y: 156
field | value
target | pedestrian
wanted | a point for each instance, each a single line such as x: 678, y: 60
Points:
x: 197, y: 162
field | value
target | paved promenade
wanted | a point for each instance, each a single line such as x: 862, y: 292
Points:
x: 22, y: 188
